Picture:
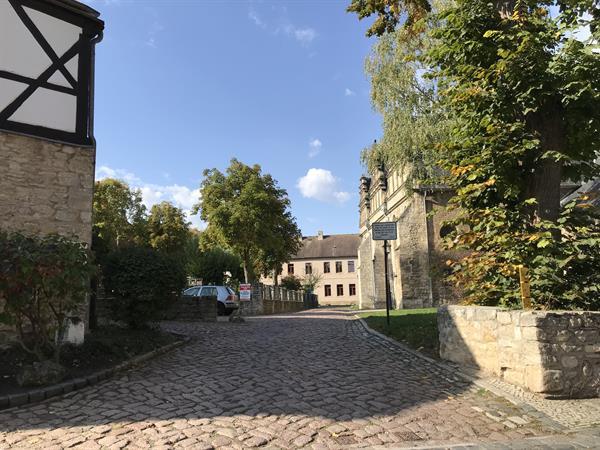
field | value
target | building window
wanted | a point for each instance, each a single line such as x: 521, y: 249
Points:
x: 290, y: 269
x: 338, y: 267
x: 326, y: 267
x: 327, y: 290
x: 350, y: 266
x: 340, y: 290
x: 307, y: 268
x: 352, y: 289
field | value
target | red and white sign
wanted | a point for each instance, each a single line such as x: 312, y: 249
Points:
x: 245, y: 292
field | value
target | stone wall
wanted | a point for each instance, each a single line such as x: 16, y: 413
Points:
x: 45, y: 187
x: 371, y: 283
x: 552, y: 352
x: 189, y: 309
x: 182, y: 309
x: 275, y: 300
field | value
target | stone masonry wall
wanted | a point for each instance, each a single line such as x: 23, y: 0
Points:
x: 553, y: 352
x: 193, y: 309
x: 45, y: 187
x: 275, y: 300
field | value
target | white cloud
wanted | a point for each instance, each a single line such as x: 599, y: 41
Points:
x: 315, y: 148
x: 107, y: 172
x: 349, y: 92
x: 322, y: 185
x: 254, y: 17
x: 155, y: 29
x: 302, y: 35
x: 181, y: 196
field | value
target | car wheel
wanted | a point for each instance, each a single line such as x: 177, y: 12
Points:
x: 220, y: 309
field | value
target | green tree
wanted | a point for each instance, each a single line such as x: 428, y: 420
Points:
x: 291, y: 282
x: 311, y: 281
x: 119, y: 216
x: 213, y: 265
x: 389, y: 13
x: 192, y: 251
x: 285, y: 242
x: 168, y: 228
x: 143, y: 283
x: 523, y: 95
x: 248, y: 213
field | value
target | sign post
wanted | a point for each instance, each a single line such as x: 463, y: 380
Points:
x: 384, y: 231
x: 525, y: 287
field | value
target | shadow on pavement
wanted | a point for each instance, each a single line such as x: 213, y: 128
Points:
x: 313, y: 364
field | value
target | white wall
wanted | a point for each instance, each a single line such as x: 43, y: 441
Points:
x: 21, y: 54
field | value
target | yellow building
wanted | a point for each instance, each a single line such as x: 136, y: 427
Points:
x: 333, y: 258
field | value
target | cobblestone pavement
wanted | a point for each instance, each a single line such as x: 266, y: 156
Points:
x: 315, y: 379
x: 572, y: 414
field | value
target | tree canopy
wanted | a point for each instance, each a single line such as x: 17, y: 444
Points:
x: 119, y: 215
x: 413, y: 118
x: 213, y: 265
x: 248, y: 213
x: 389, y: 13
x: 523, y: 96
x: 168, y: 228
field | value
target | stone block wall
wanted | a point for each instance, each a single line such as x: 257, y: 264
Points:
x: 45, y: 187
x: 191, y: 310
x: 552, y: 352
x: 181, y: 309
x: 276, y: 300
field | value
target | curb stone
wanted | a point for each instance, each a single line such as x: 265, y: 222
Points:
x: 11, y: 401
x: 527, y: 407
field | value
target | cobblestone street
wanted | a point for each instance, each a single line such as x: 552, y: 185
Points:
x: 315, y: 379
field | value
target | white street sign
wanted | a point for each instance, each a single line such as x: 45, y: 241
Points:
x: 245, y: 292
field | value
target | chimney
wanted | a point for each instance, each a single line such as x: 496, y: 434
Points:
x: 320, y: 235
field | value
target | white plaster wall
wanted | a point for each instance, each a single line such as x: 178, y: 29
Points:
x: 21, y: 54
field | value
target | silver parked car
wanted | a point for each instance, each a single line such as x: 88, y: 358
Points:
x: 226, y: 297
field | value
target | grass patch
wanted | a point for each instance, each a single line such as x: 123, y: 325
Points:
x: 417, y: 328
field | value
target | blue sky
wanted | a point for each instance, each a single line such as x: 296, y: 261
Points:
x: 184, y: 85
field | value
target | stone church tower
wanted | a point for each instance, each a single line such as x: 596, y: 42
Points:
x: 416, y: 258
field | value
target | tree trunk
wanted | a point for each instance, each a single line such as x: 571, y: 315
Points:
x: 544, y: 182
x: 248, y: 268
x: 548, y: 123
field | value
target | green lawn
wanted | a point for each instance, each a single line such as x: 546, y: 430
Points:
x: 416, y: 328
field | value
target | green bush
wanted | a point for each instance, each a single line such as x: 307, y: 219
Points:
x: 43, y: 280
x: 143, y: 282
x: 291, y: 282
